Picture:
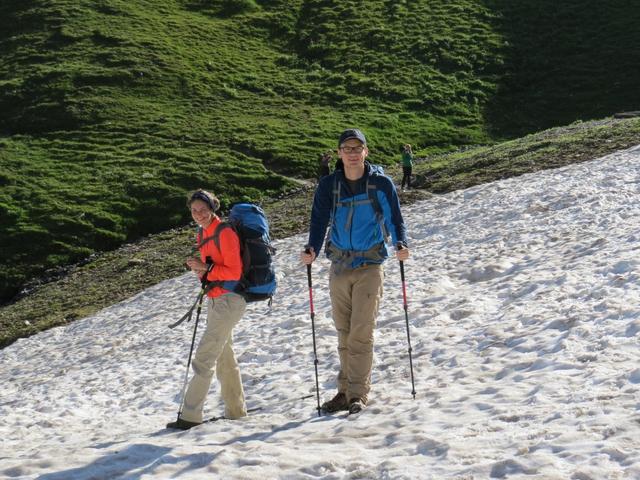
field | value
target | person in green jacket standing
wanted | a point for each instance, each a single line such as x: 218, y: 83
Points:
x: 407, y: 166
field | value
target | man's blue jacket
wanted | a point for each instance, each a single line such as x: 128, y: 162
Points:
x: 356, y: 227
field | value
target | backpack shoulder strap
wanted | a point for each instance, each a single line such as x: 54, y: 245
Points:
x: 218, y: 232
x: 335, y: 195
x: 375, y: 201
x: 216, y: 235
x: 372, y: 192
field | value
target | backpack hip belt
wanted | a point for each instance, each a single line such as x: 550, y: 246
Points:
x: 343, y: 259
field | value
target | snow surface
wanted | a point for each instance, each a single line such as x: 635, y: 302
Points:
x: 523, y: 305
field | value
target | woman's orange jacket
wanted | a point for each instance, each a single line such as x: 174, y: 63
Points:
x: 227, y: 262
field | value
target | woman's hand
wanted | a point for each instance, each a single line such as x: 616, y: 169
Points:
x: 196, y: 265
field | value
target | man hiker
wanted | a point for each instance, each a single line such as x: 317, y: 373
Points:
x: 360, y: 206
x: 407, y: 166
x: 219, y: 261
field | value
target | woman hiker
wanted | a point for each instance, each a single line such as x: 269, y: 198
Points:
x: 215, y: 350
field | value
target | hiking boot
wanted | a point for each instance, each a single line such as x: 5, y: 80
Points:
x: 337, y: 403
x: 181, y: 424
x: 356, y: 405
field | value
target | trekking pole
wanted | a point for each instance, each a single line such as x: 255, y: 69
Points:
x: 193, y: 341
x: 201, y: 296
x: 406, y: 318
x: 313, y: 331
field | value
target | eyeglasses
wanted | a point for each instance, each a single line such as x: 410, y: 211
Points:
x: 352, y: 149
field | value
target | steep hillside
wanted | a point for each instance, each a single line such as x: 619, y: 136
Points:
x: 113, y: 109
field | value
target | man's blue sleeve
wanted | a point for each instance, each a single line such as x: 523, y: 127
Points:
x: 320, y: 213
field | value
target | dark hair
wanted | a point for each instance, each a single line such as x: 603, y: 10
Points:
x: 209, y: 198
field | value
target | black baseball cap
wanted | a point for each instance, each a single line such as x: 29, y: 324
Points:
x: 352, y: 133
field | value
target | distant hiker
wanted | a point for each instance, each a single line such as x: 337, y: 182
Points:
x: 360, y: 206
x: 325, y: 169
x: 215, y: 350
x: 407, y: 166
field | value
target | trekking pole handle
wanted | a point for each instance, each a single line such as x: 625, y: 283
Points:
x: 401, y: 246
x: 209, y: 263
x: 404, y: 285
x: 307, y: 249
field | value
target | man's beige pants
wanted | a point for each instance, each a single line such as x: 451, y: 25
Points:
x: 215, y: 353
x: 355, y: 297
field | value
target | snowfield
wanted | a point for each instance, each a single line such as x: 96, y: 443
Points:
x: 524, y: 310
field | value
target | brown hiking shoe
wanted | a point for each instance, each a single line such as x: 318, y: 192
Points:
x: 337, y: 403
x: 356, y: 405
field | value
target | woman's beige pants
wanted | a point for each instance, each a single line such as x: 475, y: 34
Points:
x: 215, y: 354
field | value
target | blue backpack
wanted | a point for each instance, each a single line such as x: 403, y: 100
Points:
x: 258, y: 280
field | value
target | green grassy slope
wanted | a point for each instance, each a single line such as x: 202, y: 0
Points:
x: 113, y: 109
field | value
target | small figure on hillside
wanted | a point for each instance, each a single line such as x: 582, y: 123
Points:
x: 362, y: 204
x: 325, y: 160
x: 219, y: 261
x: 407, y: 166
